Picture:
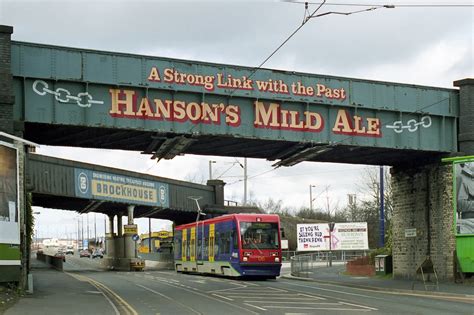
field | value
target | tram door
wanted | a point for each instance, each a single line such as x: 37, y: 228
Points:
x: 200, y: 243
x: 211, y: 242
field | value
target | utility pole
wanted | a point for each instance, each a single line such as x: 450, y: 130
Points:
x: 210, y: 169
x: 88, y: 236
x: 82, y: 230
x: 382, y: 216
x: 149, y: 234
x: 245, y: 181
x: 327, y: 202
x: 95, y: 228
x: 311, y: 197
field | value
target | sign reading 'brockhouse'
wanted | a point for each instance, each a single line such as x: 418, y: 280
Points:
x: 118, y: 188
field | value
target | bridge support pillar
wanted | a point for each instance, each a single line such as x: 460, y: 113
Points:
x: 422, y: 220
x: 466, y: 116
x: 110, y: 243
x: 130, y: 251
x: 218, y: 190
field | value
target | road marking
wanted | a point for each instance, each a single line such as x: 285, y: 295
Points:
x: 273, y: 298
x: 335, y: 291
x: 299, y: 302
x: 357, y: 305
x: 256, y: 293
x: 317, y: 308
x: 167, y: 297
x: 209, y: 297
x: 222, y: 297
x: 257, y: 307
x: 109, y: 294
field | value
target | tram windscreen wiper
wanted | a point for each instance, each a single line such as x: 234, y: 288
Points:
x: 256, y: 246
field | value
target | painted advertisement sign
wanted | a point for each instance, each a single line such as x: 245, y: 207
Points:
x: 119, y: 188
x: 464, y: 175
x: 345, y: 236
x: 9, y: 220
x: 194, y: 98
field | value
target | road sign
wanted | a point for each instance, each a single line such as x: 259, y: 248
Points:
x: 135, y: 237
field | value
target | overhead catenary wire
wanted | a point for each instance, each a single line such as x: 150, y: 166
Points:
x: 411, y: 5
x: 305, y: 20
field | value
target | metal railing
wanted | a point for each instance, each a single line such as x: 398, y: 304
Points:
x: 304, y: 264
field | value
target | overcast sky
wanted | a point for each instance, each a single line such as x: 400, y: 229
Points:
x: 416, y: 45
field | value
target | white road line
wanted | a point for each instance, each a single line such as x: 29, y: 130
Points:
x: 336, y: 291
x: 257, y: 307
x: 273, y: 298
x: 311, y: 296
x: 256, y: 293
x: 289, y: 302
x: 167, y: 297
x: 222, y: 297
x: 211, y: 297
x: 222, y: 290
x: 316, y: 308
x: 276, y: 289
x: 357, y: 305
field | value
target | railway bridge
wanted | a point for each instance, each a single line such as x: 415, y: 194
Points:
x: 165, y: 107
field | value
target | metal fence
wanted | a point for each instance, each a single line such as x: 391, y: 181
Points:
x: 303, y: 264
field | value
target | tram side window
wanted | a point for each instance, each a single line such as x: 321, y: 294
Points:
x: 235, y: 242
x: 224, y: 242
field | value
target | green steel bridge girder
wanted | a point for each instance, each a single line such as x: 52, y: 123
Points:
x: 160, y: 99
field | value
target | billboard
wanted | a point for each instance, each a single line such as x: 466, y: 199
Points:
x: 9, y: 217
x: 345, y: 236
x: 92, y: 184
x: 464, y: 176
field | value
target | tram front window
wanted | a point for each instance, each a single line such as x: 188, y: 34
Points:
x: 259, y: 235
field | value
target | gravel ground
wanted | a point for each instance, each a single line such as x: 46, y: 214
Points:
x: 8, y: 297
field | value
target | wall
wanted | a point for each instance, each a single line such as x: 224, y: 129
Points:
x: 423, y: 201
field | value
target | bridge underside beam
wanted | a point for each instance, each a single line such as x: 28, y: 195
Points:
x: 178, y: 216
x: 228, y: 146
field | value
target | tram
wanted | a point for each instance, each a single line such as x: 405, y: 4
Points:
x: 234, y: 245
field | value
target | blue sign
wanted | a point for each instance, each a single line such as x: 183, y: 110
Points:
x: 113, y: 187
x: 135, y: 237
x: 85, y: 244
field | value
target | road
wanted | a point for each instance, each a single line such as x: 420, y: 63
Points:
x: 166, y: 292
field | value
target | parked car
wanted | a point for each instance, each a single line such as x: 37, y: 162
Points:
x: 97, y: 254
x: 60, y: 254
x: 70, y: 250
x: 84, y: 253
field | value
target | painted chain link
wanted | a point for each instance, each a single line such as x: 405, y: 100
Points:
x: 412, y: 125
x: 64, y: 96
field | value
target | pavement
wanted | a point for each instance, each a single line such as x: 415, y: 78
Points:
x: 57, y: 292
x: 336, y: 275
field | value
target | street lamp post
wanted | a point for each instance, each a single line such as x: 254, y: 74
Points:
x: 210, y: 169
x: 311, y: 197
x: 331, y: 228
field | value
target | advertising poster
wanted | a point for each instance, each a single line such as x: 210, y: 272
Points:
x: 345, y: 236
x: 9, y: 225
x: 464, y: 173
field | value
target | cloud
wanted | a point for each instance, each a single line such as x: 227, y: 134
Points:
x: 410, y: 45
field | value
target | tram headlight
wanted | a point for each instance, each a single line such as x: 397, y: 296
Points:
x: 245, y: 259
x: 277, y: 259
